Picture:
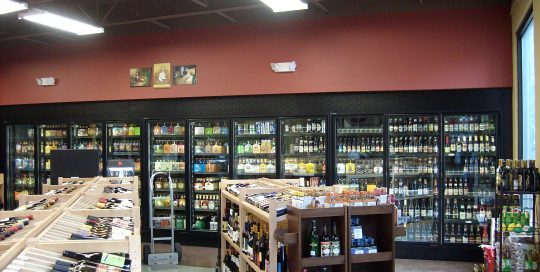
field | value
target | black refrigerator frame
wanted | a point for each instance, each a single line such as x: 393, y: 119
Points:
x: 474, y: 101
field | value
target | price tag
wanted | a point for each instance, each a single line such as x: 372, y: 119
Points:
x: 113, y: 260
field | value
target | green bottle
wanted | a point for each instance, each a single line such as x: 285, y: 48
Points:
x: 314, y: 246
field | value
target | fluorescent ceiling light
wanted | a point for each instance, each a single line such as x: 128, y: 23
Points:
x: 60, y: 22
x: 8, y: 6
x: 285, y: 5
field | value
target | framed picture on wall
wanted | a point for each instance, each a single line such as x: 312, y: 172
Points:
x: 162, y: 75
x: 140, y: 77
x: 185, y: 74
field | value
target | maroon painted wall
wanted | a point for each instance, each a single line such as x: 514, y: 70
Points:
x: 451, y: 49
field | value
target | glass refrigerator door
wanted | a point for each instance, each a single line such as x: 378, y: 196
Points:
x: 52, y: 137
x: 359, y: 151
x: 167, y: 154
x: 88, y: 136
x: 413, y: 173
x: 210, y: 158
x: 470, y: 160
x: 21, y: 174
x: 124, y: 142
x: 254, y: 148
x: 303, y: 149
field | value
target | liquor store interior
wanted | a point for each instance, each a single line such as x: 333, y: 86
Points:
x: 269, y: 135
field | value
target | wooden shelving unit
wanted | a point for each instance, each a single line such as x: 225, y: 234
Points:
x: 2, y: 197
x: 246, y: 208
x: 37, y: 236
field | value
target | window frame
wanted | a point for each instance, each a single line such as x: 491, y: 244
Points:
x: 521, y: 31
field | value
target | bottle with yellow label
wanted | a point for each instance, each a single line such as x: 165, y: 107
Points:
x: 310, y: 168
x: 301, y: 167
x: 350, y: 168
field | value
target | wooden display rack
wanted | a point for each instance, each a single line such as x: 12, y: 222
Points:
x: 31, y: 236
x: 63, y: 200
x: 2, y: 182
x: 246, y: 208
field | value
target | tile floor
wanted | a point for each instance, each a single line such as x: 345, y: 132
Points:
x: 402, y: 265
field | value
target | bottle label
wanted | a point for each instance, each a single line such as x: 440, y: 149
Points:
x: 325, y: 249
x: 336, y: 249
x: 113, y: 260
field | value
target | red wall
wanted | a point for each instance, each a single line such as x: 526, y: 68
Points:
x: 451, y: 49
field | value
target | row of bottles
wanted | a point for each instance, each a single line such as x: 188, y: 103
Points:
x: 125, y: 130
x: 211, y: 146
x: 464, y: 144
x: 87, y: 130
x: 255, y: 243
x: 324, y: 244
x: 47, y: 146
x: 355, y: 184
x: 24, y: 179
x: 414, y: 187
x: 210, y: 128
x: 256, y: 128
x: 304, y: 145
x: 515, y: 175
x: 305, y: 126
x: 24, y: 163
x: 206, y: 201
x: 413, y: 124
x: 421, y: 232
x: 466, y: 209
x: 361, y: 145
x: 205, y: 221
x: 256, y: 166
x: 415, y: 166
x: 168, y: 147
x: 87, y: 144
x: 165, y: 129
x: 466, y: 187
x: 263, y: 146
x: 177, y: 183
x: 470, y: 123
x: 476, y: 165
x: 53, y: 131
x: 466, y: 234
x: 126, y: 146
x: 169, y: 165
x: 210, y: 165
x: 417, y: 209
x: 231, y: 260
x: 366, y: 166
x: 162, y: 220
x: 164, y: 201
x: 24, y: 147
x: 295, y: 166
x: 414, y: 144
x: 206, y: 184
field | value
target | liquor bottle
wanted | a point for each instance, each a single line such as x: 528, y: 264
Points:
x: 517, y: 176
x: 325, y: 243
x: 314, y: 246
x: 500, y: 183
x: 335, y: 246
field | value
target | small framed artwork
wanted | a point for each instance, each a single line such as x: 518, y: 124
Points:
x: 140, y: 77
x: 185, y: 74
x: 162, y: 75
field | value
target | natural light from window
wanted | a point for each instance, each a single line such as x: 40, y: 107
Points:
x: 527, y: 93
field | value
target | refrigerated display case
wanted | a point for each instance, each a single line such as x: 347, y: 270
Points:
x: 21, y: 173
x: 167, y: 153
x: 254, y: 148
x: 303, y: 149
x: 88, y: 136
x: 210, y: 163
x: 51, y: 137
x: 470, y: 161
x: 124, y: 142
x: 413, y: 174
x: 359, y: 151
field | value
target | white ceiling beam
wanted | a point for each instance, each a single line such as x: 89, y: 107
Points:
x: 109, y: 10
x: 160, y: 24
x: 320, y: 7
x: 202, y: 3
x: 35, y: 41
x: 224, y: 15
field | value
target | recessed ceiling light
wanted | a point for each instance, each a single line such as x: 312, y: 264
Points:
x: 60, y: 22
x: 8, y: 6
x: 285, y: 5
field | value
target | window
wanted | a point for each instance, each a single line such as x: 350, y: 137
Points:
x: 527, y: 91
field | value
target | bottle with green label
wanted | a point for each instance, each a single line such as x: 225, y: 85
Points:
x: 314, y: 249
